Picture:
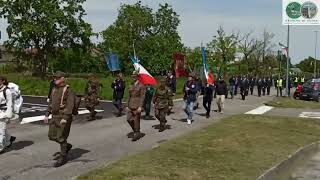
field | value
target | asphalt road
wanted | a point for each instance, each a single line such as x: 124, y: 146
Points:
x: 96, y: 143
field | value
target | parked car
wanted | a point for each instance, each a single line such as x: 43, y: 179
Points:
x: 311, y: 90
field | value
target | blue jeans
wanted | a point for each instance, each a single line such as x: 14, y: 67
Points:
x: 188, y: 108
x: 232, y: 91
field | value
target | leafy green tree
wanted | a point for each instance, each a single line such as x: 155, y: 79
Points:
x: 154, y: 36
x: 43, y: 27
x: 224, y: 46
x: 307, y: 65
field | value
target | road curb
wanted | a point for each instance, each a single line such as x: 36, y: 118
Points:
x: 288, y: 164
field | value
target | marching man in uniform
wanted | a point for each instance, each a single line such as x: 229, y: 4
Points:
x: 92, y: 95
x: 135, y: 105
x: 162, y: 101
x: 61, y: 106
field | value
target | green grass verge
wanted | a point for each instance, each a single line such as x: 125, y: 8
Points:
x: 237, y: 148
x: 285, y: 102
x: 36, y: 86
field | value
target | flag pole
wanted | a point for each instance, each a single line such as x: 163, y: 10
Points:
x: 134, y: 50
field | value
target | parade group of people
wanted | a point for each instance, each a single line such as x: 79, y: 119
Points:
x: 63, y: 103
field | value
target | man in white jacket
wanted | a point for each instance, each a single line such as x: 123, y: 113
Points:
x: 6, y: 113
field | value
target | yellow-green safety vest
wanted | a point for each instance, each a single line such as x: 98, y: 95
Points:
x: 279, y: 82
x: 296, y: 80
x: 302, y: 80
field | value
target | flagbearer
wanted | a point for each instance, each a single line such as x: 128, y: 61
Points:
x: 172, y: 84
x: 207, y: 98
x: 135, y: 105
x: 147, y: 100
x: 162, y: 101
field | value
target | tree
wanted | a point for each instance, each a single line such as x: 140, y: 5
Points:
x: 154, y: 35
x: 247, y: 45
x: 40, y: 28
x: 224, y: 47
x: 307, y: 65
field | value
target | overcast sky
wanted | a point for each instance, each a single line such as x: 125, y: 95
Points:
x: 200, y: 20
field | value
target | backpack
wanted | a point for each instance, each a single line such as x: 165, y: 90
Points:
x: 77, y: 101
x: 16, y: 96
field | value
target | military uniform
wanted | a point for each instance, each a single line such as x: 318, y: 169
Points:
x: 135, y: 101
x: 162, y: 100
x: 172, y: 84
x: 92, y: 95
x: 118, y: 87
x: 61, y: 104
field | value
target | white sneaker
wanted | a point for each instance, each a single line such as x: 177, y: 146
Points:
x: 189, y: 121
x: 221, y: 112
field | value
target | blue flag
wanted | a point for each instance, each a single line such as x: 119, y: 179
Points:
x: 112, y: 61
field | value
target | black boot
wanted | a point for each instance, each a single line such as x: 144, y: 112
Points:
x: 137, y: 136
x: 162, y: 127
x: 61, y: 161
x: 12, y: 139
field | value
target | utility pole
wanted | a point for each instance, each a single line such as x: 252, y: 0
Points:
x: 315, y: 56
x: 288, y: 64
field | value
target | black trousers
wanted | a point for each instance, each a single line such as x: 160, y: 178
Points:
x: 251, y: 90
x: 264, y: 91
x: 268, y: 90
x: 207, y: 105
x: 259, y: 91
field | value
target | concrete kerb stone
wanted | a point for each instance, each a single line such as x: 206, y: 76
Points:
x: 285, y: 166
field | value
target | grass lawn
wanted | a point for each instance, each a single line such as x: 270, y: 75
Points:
x: 237, y: 148
x: 36, y: 86
x: 285, y: 102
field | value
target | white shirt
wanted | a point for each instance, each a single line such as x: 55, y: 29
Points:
x: 8, y: 102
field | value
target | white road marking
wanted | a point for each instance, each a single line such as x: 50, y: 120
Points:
x: 40, y: 118
x: 260, y: 110
x: 31, y: 104
x: 313, y: 115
